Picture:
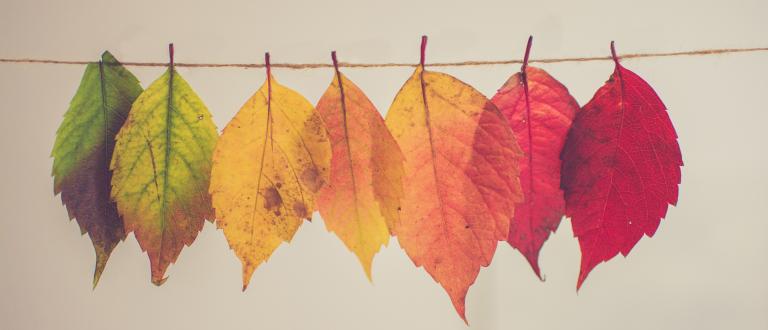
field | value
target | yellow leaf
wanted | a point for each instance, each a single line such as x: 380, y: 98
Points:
x: 268, y: 165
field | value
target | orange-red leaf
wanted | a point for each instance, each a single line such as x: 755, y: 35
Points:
x: 461, y: 175
x: 362, y: 200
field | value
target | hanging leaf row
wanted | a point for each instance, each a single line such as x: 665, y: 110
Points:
x: 448, y: 172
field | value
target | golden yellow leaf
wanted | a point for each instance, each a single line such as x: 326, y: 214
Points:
x: 268, y: 165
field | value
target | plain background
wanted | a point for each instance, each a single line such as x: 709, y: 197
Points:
x: 705, y: 269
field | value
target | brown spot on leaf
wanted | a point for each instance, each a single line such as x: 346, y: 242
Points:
x: 310, y: 178
x: 272, y: 200
x: 300, y: 210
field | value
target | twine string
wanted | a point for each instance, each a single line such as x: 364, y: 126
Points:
x: 303, y: 66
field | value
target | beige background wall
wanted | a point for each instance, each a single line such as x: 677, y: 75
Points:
x: 705, y: 269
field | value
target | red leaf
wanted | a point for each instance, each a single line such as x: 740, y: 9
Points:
x: 540, y: 111
x: 621, y: 168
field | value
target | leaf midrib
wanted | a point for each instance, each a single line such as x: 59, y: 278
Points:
x: 530, y: 195
x: 106, y: 134
x: 166, y: 165
x: 349, y: 155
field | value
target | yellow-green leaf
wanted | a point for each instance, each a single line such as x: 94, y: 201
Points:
x: 161, y: 167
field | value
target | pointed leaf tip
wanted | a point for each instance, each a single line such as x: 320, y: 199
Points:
x: 534, y: 262
x: 248, y: 270
x: 101, y: 263
x: 159, y: 281
x: 461, y: 310
x: 367, y: 269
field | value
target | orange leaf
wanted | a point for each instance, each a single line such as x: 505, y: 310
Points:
x: 364, y: 193
x: 461, y: 169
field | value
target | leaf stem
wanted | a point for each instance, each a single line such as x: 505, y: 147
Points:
x: 613, y: 53
x: 335, y: 62
x: 423, y: 50
x: 170, y: 55
x: 267, y: 65
x: 527, y: 53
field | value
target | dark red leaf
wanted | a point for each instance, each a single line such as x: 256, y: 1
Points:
x: 621, y: 168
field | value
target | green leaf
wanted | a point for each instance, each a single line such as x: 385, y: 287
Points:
x: 84, y: 144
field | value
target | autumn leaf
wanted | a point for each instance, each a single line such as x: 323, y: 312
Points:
x: 270, y: 162
x: 621, y: 168
x: 161, y: 167
x: 361, y: 202
x: 83, y: 148
x: 540, y: 111
x: 461, y: 174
